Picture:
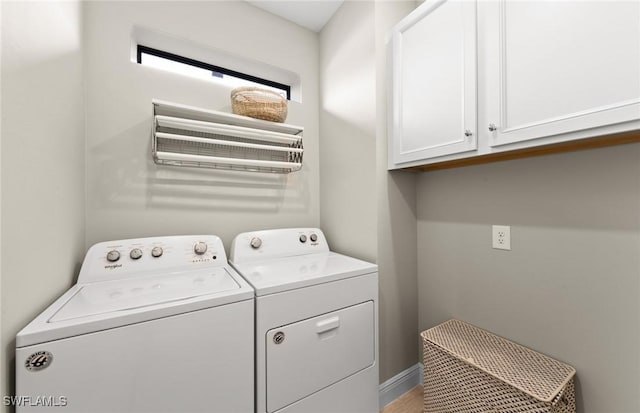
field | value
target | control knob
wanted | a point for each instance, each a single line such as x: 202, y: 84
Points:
x: 303, y: 238
x: 200, y: 248
x: 135, y: 253
x: 255, y: 243
x: 156, y: 252
x: 113, y: 256
x: 313, y: 237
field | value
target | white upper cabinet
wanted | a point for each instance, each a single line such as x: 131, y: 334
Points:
x: 433, y: 95
x: 548, y: 72
x: 555, y: 67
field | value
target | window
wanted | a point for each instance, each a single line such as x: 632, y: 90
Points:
x: 189, y: 67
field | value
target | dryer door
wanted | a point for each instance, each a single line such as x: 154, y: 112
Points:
x: 309, y: 355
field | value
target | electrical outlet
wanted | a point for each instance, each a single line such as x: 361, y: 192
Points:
x: 501, y: 239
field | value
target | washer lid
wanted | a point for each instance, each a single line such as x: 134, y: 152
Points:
x: 288, y: 273
x: 112, y: 296
x: 87, y: 308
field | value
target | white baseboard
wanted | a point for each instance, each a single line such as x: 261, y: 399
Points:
x: 399, y: 384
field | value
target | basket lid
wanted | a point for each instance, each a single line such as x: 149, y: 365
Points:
x: 535, y: 374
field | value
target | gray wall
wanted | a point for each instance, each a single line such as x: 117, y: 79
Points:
x: 569, y: 288
x: 127, y: 194
x: 2, y: 343
x: 3, y: 380
x: 365, y: 211
x: 42, y: 162
x: 396, y: 216
x: 348, y: 129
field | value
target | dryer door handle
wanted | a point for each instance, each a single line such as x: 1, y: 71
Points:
x: 327, y: 324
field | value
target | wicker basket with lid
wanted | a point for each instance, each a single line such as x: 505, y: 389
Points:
x: 469, y: 370
x: 259, y: 103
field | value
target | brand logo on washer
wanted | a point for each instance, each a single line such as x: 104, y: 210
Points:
x: 38, y: 361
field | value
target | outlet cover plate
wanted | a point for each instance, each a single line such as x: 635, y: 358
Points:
x: 501, y: 237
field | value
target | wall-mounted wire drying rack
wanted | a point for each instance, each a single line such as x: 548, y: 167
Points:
x: 188, y: 136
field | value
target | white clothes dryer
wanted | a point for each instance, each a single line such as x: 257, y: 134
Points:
x: 316, y: 323
x: 153, y: 325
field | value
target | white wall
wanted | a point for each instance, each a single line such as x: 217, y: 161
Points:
x: 42, y: 165
x: 127, y: 194
x: 569, y: 288
x: 365, y: 211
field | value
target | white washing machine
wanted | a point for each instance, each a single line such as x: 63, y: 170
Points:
x: 152, y: 325
x: 316, y: 323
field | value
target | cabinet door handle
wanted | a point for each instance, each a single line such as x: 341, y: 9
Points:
x: 468, y: 132
x: 492, y: 127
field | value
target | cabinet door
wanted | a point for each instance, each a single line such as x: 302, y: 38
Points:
x: 433, y: 96
x: 555, y: 67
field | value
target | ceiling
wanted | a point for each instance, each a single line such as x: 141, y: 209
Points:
x: 312, y: 14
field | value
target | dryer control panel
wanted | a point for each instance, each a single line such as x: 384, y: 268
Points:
x: 288, y: 242
x: 128, y: 258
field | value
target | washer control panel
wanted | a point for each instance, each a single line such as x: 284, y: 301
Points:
x: 251, y: 246
x: 140, y: 256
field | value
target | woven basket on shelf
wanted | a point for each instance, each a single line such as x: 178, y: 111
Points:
x: 259, y: 103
